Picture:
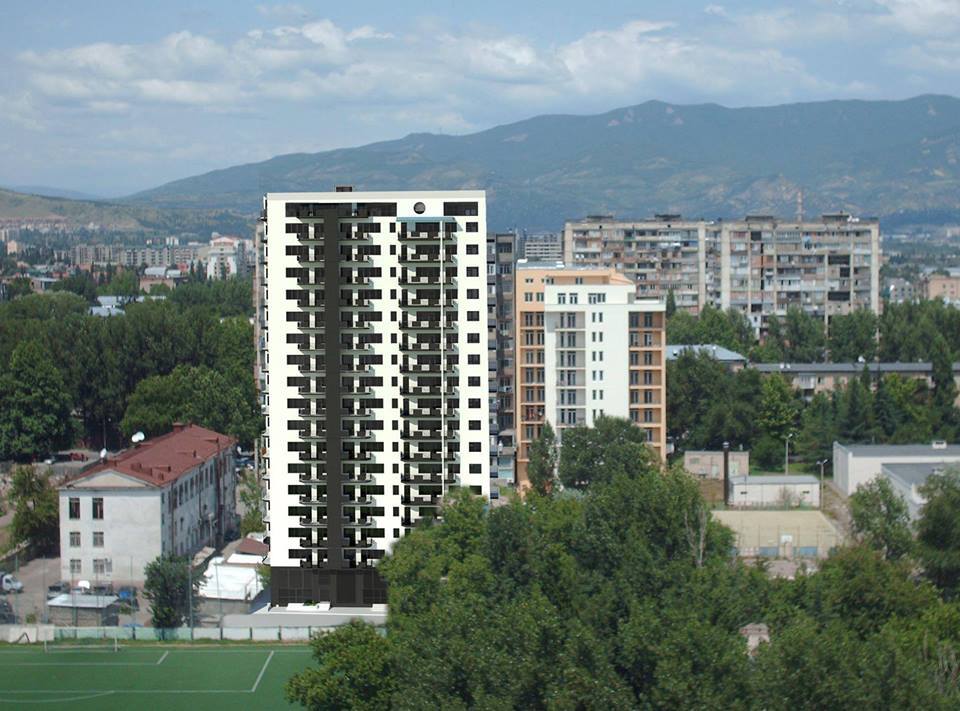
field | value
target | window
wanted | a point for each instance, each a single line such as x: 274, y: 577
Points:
x: 98, y: 508
x: 473, y: 315
x: 473, y: 402
x: 472, y: 227
x: 101, y: 566
x: 75, y: 567
x: 473, y: 338
x: 74, y: 508
x: 473, y: 293
x: 473, y: 249
x: 474, y: 424
x: 473, y: 271
x: 98, y: 539
x: 473, y: 381
x: 648, y: 320
x: 561, y: 298
x: 473, y: 359
x: 474, y: 446
x: 74, y: 539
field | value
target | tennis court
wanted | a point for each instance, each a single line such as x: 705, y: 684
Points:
x: 163, y: 676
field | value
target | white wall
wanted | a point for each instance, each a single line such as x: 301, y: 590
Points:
x: 131, y: 532
x: 774, y: 494
x: 850, y: 471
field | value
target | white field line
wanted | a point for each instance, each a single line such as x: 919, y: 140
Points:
x: 160, y: 660
x: 95, y: 695
x: 262, y: 670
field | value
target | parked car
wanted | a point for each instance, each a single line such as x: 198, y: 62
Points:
x: 6, y: 613
x: 9, y: 584
x: 57, y: 589
x: 102, y: 589
x: 128, y: 596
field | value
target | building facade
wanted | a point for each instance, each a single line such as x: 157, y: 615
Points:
x: 585, y: 346
x: 857, y: 464
x: 501, y: 257
x: 172, y: 494
x: 226, y: 257
x: 663, y: 254
x: 760, y: 265
x: 941, y: 286
x: 374, y: 321
x: 543, y: 247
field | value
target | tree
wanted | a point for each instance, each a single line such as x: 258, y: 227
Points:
x: 671, y: 304
x: 36, y: 509
x: 804, y: 337
x: 251, y: 496
x: 198, y: 395
x: 938, y: 531
x: 853, y: 336
x: 171, y: 590
x: 881, y: 520
x: 818, y: 429
x: 944, y: 389
x: 612, y: 446
x: 34, y: 406
x: 354, y: 671
x: 779, y: 408
x: 855, y: 414
x: 543, y: 461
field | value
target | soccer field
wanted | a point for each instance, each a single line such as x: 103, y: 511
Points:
x: 154, y: 677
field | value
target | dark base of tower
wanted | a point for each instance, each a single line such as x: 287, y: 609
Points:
x: 341, y: 588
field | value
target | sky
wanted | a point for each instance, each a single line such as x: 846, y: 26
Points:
x: 111, y: 97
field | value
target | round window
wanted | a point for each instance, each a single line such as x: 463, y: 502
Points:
x: 419, y: 208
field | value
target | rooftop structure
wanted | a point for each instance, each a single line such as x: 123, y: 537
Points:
x: 856, y: 464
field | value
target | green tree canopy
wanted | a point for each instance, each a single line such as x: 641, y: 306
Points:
x: 34, y: 406
x: 881, y: 520
x: 171, y: 590
x: 938, y: 531
x: 612, y: 446
x: 543, y: 460
x: 36, y: 509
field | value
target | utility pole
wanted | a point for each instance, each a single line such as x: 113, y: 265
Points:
x: 786, y: 454
x: 822, y: 462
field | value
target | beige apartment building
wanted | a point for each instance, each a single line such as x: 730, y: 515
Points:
x: 939, y: 286
x: 760, y: 265
x: 585, y: 346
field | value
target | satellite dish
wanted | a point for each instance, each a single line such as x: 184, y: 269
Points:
x: 103, y: 453
x: 138, y: 437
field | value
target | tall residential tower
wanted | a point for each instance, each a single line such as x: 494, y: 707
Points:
x: 374, y: 319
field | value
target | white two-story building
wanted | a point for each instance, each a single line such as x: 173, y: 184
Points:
x: 172, y: 494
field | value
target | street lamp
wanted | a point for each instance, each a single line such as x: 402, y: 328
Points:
x: 786, y: 454
x: 821, y: 463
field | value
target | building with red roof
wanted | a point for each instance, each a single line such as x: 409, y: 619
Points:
x: 175, y: 493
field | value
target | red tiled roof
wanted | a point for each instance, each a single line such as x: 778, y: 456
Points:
x: 251, y: 546
x: 162, y: 460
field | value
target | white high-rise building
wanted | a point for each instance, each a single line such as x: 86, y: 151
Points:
x: 374, y: 322
x: 603, y: 355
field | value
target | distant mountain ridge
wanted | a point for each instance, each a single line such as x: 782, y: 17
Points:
x: 893, y: 159
x: 111, y: 216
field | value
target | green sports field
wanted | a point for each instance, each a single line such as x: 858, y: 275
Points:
x: 203, y: 678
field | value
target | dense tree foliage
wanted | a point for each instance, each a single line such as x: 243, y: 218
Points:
x: 625, y: 596
x: 101, y: 361
x: 543, y: 461
x: 34, y: 405
x: 36, y: 509
x: 880, y: 519
x: 171, y: 590
x: 612, y: 446
x: 938, y: 531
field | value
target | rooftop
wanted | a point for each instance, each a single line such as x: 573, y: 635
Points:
x: 775, y: 479
x: 722, y: 354
x: 913, y: 473
x: 854, y: 368
x: 83, y: 600
x: 924, y: 451
x: 162, y: 460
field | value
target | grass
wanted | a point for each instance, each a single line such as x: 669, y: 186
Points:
x: 161, y: 676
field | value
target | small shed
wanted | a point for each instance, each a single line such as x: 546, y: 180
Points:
x: 84, y: 610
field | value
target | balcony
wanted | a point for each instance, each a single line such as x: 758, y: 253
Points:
x: 308, y: 522
x: 420, y: 303
x: 311, y: 500
x: 360, y: 523
x: 358, y: 501
x: 310, y: 543
x: 421, y: 347
x: 420, y: 500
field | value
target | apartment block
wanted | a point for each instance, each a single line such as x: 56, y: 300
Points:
x: 660, y: 255
x: 827, y: 267
x: 586, y: 346
x: 376, y: 378
x: 501, y: 256
x: 760, y: 265
x: 543, y: 247
x: 941, y: 286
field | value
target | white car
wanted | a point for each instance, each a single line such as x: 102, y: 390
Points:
x: 9, y: 584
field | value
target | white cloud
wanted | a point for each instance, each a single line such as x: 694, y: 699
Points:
x: 922, y: 17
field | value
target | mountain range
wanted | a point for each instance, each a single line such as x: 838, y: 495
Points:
x: 894, y: 159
